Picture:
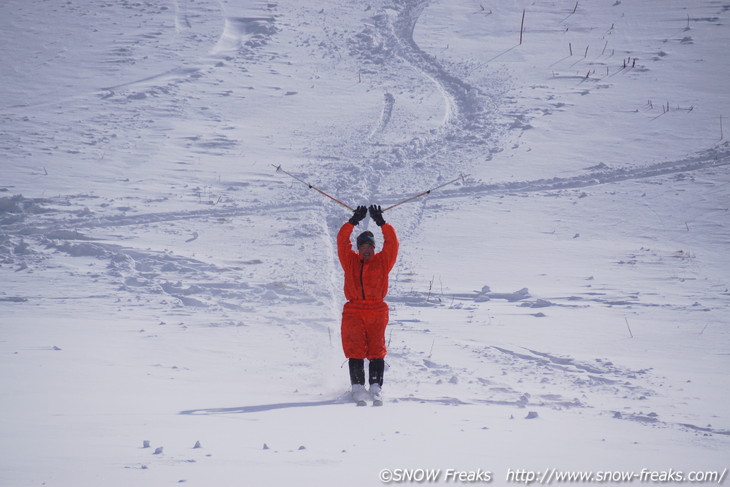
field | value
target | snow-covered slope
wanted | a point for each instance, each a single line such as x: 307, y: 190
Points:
x: 563, y: 305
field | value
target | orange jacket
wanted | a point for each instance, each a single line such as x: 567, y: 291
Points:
x: 366, y: 281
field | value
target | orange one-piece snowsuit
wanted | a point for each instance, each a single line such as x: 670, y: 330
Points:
x: 365, y: 315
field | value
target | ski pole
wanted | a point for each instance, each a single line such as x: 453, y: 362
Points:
x: 424, y: 193
x: 278, y: 168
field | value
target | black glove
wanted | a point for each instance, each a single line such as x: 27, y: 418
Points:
x: 359, y: 214
x: 376, y: 213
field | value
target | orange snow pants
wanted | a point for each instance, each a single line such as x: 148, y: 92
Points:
x: 363, y: 329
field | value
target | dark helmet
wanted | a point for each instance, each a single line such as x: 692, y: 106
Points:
x: 366, y: 237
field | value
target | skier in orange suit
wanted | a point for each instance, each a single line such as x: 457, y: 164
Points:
x: 365, y: 315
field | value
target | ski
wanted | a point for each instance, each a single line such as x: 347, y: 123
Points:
x: 360, y: 395
x: 376, y: 394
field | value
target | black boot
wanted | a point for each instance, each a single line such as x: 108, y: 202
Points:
x: 357, y: 371
x: 377, y: 369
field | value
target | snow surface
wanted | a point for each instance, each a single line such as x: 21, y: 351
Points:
x: 164, y: 287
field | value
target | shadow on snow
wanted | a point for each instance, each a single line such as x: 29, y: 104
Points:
x: 262, y: 407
